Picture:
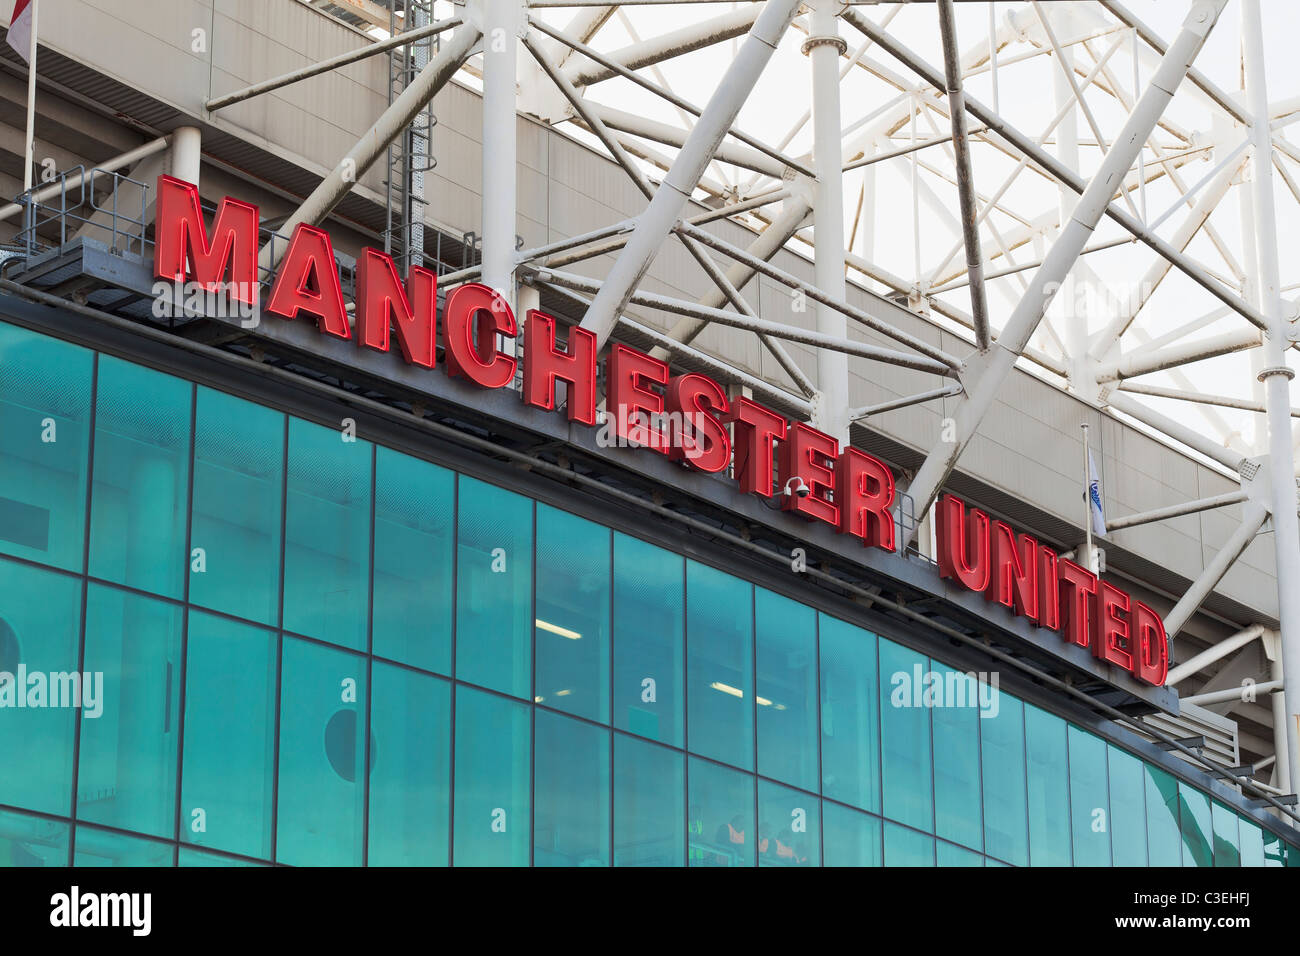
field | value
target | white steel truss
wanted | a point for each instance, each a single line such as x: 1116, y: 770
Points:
x: 1054, y: 145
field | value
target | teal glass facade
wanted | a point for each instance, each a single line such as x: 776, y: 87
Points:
x: 319, y: 651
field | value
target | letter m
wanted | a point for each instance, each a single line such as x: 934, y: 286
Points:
x: 183, y: 248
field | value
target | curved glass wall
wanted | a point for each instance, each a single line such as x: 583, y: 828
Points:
x: 293, y: 646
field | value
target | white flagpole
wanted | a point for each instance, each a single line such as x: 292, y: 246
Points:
x: 1087, y: 503
x: 31, y: 104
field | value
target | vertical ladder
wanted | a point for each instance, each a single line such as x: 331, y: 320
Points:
x: 410, y: 155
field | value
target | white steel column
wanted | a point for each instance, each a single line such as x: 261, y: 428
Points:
x: 500, y: 48
x: 1277, y: 377
x: 824, y: 48
x: 187, y: 153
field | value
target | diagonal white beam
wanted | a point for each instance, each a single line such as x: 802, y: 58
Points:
x: 657, y: 221
x: 1253, y: 517
x: 1093, y: 203
x: 375, y: 140
x: 584, y: 72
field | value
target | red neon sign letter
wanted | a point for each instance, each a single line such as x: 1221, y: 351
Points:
x: 474, y: 315
x: 182, y: 247
x: 754, y: 430
x: 380, y: 299
x: 866, y: 489
x: 309, y: 282
x: 963, y: 543
x: 544, y: 363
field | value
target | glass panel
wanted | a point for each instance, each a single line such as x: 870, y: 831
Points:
x: 188, y: 856
x: 44, y: 444
x: 322, y: 746
x: 1197, y: 826
x: 101, y: 848
x: 949, y: 855
x: 789, y: 828
x: 142, y: 455
x: 850, y: 838
x: 904, y: 847
x: 721, y: 816
x: 414, y: 514
x: 1002, y: 749
x: 228, y: 774
x: 127, y: 773
x: 905, y: 737
x: 238, y: 487
x: 327, y: 535
x: 40, y: 627
x: 1227, y: 836
x: 648, y: 640
x: 494, y: 589
x: 572, y: 622
x: 1252, y: 843
x: 957, y: 757
x: 570, y: 793
x: 410, y: 768
x: 1128, y: 813
x: 1275, y: 850
x: 31, y: 841
x: 850, y: 715
x: 1163, y: 840
x: 1089, y: 803
x: 1048, y: 784
x: 649, y: 804
x: 492, y: 763
x: 720, y: 666
x: 786, y: 649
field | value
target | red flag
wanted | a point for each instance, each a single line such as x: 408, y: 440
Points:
x: 20, y: 29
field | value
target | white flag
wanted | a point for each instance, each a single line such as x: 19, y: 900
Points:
x: 20, y: 29
x: 1094, y: 498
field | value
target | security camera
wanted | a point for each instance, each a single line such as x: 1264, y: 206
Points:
x: 797, y: 486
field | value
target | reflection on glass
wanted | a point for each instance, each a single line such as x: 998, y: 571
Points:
x: 786, y: 648
x: 720, y: 816
x: 1002, y: 747
x: 905, y: 737
x: 1128, y: 825
x: 410, y: 768
x: 319, y: 815
x: 1049, y: 788
x: 44, y: 445
x: 1197, y: 826
x: 127, y: 768
x: 414, y: 516
x: 32, y: 841
x: 850, y: 838
x: 40, y: 626
x: 571, y: 793
x: 327, y: 535
x: 904, y: 847
x: 649, y: 804
x: 957, y: 810
x: 1090, y: 812
x: 850, y: 714
x: 1164, y: 843
x: 141, y: 487
x: 572, y: 614
x: 719, y: 666
x: 789, y: 827
x: 649, y: 639
x: 229, y: 765
x: 235, y: 525
x: 494, y: 586
x: 492, y: 793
